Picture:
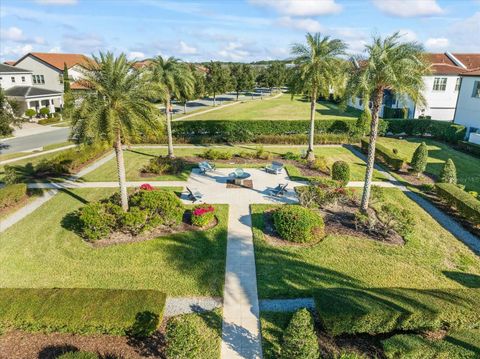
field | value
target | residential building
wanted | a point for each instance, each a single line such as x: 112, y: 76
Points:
x: 17, y: 84
x: 468, y: 105
x: 441, y: 89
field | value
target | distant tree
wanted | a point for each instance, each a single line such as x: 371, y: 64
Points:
x: 419, y: 159
x: 68, y: 99
x: 276, y: 75
x: 242, y: 78
x: 199, y: 77
x: 7, y: 116
x: 449, y: 172
x: 217, y: 79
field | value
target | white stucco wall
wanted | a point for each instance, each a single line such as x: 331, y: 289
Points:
x: 6, y: 79
x: 468, y: 107
x: 51, y: 75
x: 440, y: 105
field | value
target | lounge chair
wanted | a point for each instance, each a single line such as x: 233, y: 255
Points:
x: 206, y: 167
x: 279, y: 191
x: 274, y: 167
x: 194, y: 196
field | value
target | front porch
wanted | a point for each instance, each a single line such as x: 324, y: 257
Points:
x: 29, y: 97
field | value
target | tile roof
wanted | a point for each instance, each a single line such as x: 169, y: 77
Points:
x: 11, y: 63
x: 57, y: 60
x: 76, y: 85
x: 30, y: 91
x: 472, y: 73
x: 4, y: 68
x: 443, y: 65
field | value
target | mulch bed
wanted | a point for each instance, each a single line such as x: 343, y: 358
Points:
x: 410, y: 177
x: 122, y: 238
x: 245, y: 184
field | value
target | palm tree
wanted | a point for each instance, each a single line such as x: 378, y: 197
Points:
x: 318, y: 70
x: 391, y: 65
x: 173, y: 79
x: 117, y: 107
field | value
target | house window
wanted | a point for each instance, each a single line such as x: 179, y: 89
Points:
x: 23, y: 78
x: 439, y: 84
x: 457, y: 84
x: 13, y: 79
x: 476, y: 89
x: 38, y: 79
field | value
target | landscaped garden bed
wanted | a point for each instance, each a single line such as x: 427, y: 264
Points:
x: 15, y: 196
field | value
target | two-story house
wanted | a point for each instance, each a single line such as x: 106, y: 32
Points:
x: 468, y: 105
x: 441, y: 89
x: 18, y: 85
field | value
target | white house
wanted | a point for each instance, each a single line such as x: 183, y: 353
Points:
x: 441, y: 89
x: 468, y: 105
x: 17, y: 84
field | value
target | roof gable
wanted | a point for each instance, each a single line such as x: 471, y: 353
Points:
x: 442, y: 64
x: 57, y: 60
x: 4, y: 68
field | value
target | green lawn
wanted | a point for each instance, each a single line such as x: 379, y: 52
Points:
x: 40, y: 252
x: 431, y: 258
x: 468, y: 167
x: 135, y: 159
x: 281, y: 108
x: 273, y: 324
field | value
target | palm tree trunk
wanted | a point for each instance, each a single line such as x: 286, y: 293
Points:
x: 169, y: 129
x: 121, y: 171
x: 377, y: 102
x: 311, y: 133
x: 185, y: 107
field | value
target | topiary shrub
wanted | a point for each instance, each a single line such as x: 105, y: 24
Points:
x: 30, y: 113
x: 183, y: 340
x: 341, y: 171
x: 449, y: 172
x: 44, y: 111
x: 419, y: 159
x: 78, y: 355
x: 299, y: 339
x: 203, y: 215
x: 362, y: 125
x: 298, y: 224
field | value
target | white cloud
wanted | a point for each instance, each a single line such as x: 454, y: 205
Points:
x: 464, y: 34
x: 56, y: 2
x: 16, y: 51
x: 233, y: 51
x: 408, y: 35
x: 13, y: 34
x: 186, y: 49
x: 83, y: 43
x: 301, y: 7
x: 437, y: 43
x: 135, y: 55
x: 55, y: 49
x: 409, y: 8
x: 309, y: 25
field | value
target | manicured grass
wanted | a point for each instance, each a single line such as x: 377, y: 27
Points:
x: 468, y: 167
x: 136, y: 158
x: 431, y: 258
x: 273, y: 324
x: 41, y: 251
x: 80, y: 310
x: 281, y: 108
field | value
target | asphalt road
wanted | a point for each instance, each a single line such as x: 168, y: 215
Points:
x: 26, y: 143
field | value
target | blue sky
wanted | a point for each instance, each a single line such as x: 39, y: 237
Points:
x: 233, y: 30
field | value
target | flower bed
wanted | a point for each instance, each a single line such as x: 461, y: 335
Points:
x: 203, y: 215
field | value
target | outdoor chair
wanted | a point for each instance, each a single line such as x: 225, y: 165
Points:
x: 206, y: 167
x: 274, y: 167
x: 194, y: 196
x: 279, y: 191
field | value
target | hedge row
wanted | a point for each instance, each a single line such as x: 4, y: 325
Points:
x: 440, y: 130
x: 464, y: 344
x: 11, y: 194
x: 81, y: 310
x: 469, y: 147
x: 464, y: 202
x: 385, y: 155
x: 383, y: 310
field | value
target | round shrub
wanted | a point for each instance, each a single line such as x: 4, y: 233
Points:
x: 419, y: 159
x: 134, y: 220
x: 161, y: 207
x: 96, y: 221
x: 79, y: 355
x: 44, y: 111
x: 30, y: 113
x: 298, y: 224
x: 299, y: 339
x: 449, y: 172
x: 183, y: 340
x: 203, y: 215
x: 341, y: 171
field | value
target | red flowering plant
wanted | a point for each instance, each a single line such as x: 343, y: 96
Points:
x: 146, y: 187
x: 203, y: 215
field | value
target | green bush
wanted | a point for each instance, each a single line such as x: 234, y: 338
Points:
x: 183, y: 340
x: 319, y: 164
x: 298, y: 224
x: 420, y: 158
x: 134, y: 220
x: 44, y: 111
x: 203, y: 215
x: 449, y: 172
x: 96, y: 221
x: 49, y: 120
x: 299, y: 339
x: 341, y: 171
x: 79, y: 310
x: 165, y: 165
x: 12, y: 194
x: 30, y: 112
x: 213, y: 154
x: 395, y: 218
x: 262, y: 154
x: 385, y: 155
x: 467, y: 205
x: 78, y: 355
x: 363, y: 123
x: 301, y: 139
x: 469, y: 147
x: 383, y: 310
x: 440, y: 130
x: 463, y: 344
x: 291, y: 156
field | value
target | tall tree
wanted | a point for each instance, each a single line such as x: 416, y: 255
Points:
x: 217, y: 79
x: 276, y: 75
x: 7, y: 116
x: 319, y: 68
x: 242, y: 78
x: 68, y: 99
x: 118, y: 107
x: 173, y: 79
x: 390, y: 64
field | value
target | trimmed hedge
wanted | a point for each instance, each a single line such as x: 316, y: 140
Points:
x: 464, y: 202
x: 82, y: 310
x: 383, y: 310
x: 440, y: 130
x: 385, y: 155
x: 469, y: 147
x: 11, y: 194
x: 463, y: 344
